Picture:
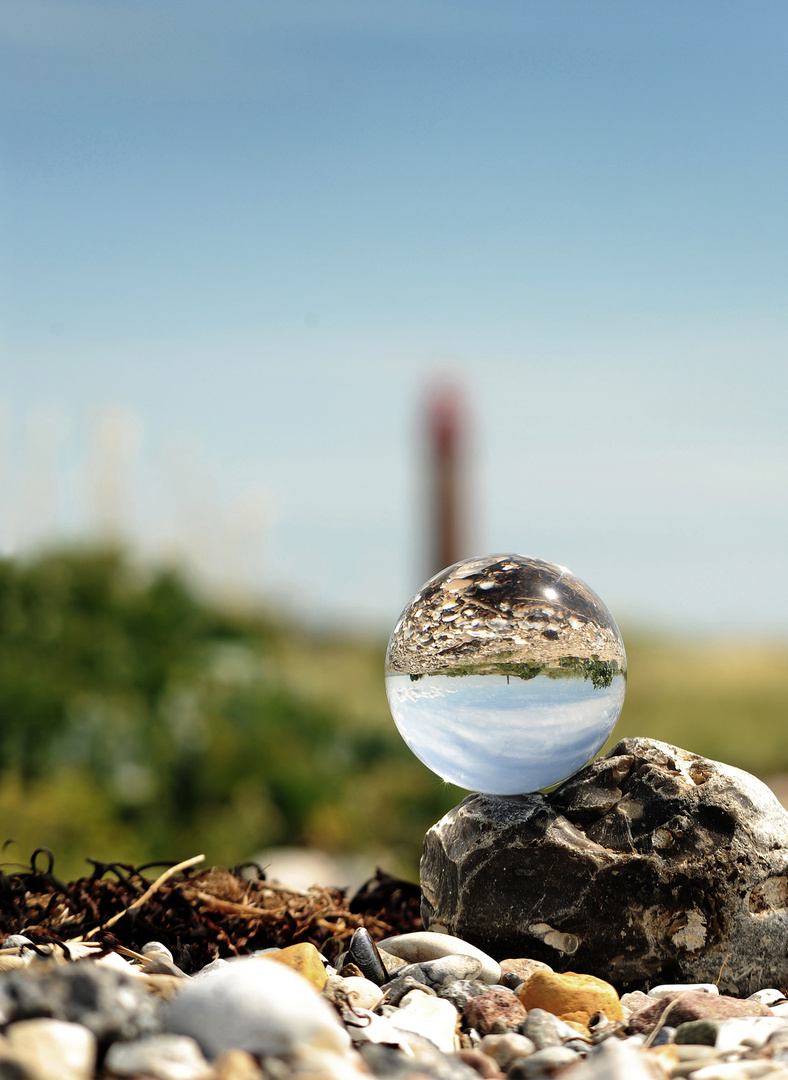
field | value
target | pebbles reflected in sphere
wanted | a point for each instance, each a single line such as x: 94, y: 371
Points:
x: 505, y: 674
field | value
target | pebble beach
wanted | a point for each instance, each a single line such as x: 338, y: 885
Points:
x: 415, y: 1005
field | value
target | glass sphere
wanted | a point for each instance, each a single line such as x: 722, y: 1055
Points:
x: 505, y: 674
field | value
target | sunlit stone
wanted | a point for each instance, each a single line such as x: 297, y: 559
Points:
x: 505, y: 674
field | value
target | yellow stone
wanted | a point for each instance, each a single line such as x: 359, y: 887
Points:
x: 303, y: 958
x: 573, y: 998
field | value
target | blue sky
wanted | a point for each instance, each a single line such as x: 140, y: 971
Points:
x: 237, y: 240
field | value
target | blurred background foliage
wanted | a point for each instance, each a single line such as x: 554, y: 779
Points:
x: 140, y: 721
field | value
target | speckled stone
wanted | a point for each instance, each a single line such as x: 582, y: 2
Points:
x: 442, y: 970
x: 521, y: 968
x: 693, y: 1005
x: 494, y: 1012
x: 634, y: 1001
x: 542, y: 1028
x: 460, y: 992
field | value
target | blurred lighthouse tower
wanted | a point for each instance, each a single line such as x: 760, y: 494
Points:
x: 447, y: 438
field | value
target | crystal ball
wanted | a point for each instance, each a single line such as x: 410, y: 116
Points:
x: 505, y: 674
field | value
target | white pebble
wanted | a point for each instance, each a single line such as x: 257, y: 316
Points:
x: 53, y: 1049
x: 257, y: 1005
x: 775, y: 999
x: 352, y: 990
x: 634, y: 1001
x: 672, y: 988
x: 215, y: 966
x: 614, y: 1060
x: 505, y: 1048
x: 748, y: 1031
x: 365, y: 1026
x: 155, y: 948
x: 314, y: 1062
x: 430, y: 1017
x: 116, y: 961
x: 739, y: 1070
x: 161, y: 1057
x: 15, y: 941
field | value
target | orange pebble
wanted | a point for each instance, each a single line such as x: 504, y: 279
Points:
x: 303, y: 958
x: 570, y: 997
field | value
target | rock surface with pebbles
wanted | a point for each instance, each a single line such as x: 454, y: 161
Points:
x: 652, y: 864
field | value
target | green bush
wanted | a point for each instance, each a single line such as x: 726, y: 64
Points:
x: 138, y: 722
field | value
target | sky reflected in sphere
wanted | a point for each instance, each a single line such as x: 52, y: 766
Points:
x: 502, y: 737
x: 505, y: 674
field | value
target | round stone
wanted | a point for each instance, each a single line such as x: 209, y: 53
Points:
x: 505, y: 674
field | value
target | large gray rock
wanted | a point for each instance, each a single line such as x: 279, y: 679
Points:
x: 650, y: 865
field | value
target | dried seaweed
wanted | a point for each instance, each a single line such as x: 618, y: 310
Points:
x: 198, y: 914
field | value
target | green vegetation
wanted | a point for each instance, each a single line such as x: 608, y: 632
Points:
x: 139, y: 722
x: 727, y: 700
x: 600, y: 672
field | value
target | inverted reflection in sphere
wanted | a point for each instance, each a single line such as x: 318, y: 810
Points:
x: 505, y: 674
